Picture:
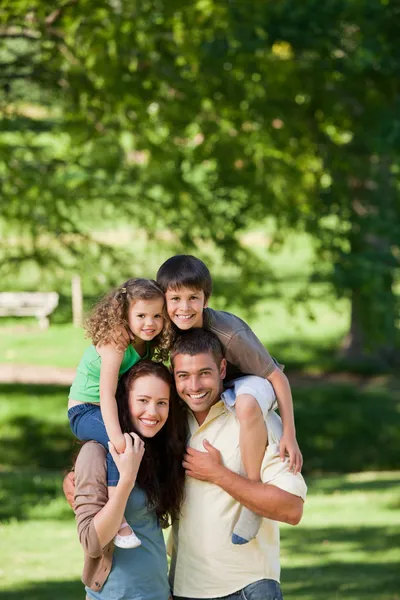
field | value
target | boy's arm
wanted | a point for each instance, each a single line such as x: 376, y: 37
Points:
x: 111, y: 360
x: 288, y: 443
x: 248, y: 354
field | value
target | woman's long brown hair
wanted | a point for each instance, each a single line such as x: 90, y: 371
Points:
x: 161, y: 474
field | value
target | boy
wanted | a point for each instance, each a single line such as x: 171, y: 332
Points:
x: 187, y: 284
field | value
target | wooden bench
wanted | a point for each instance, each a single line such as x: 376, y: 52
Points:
x: 28, y: 304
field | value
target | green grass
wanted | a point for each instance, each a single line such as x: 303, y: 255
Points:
x: 58, y: 346
x: 347, y: 546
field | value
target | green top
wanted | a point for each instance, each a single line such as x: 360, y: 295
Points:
x: 86, y: 385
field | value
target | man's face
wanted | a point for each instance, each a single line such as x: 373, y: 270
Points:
x: 185, y: 307
x: 198, y: 381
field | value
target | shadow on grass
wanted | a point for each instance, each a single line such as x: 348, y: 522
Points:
x: 324, y: 542
x: 352, y: 581
x: 47, y: 590
x: 35, y: 390
x: 26, y: 495
x: 35, y: 443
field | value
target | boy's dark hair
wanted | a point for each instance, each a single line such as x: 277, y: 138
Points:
x: 197, y: 341
x: 184, y: 270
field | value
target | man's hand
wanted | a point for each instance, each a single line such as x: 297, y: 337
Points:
x: 289, y: 447
x: 203, y: 465
x: 69, y: 488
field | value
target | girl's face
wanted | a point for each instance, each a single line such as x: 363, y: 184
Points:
x: 149, y: 404
x: 145, y: 318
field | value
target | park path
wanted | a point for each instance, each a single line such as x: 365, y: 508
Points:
x: 17, y: 373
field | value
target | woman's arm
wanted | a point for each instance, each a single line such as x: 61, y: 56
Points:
x: 111, y: 360
x: 99, y: 518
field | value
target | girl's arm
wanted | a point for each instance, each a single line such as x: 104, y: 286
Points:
x: 108, y: 520
x: 111, y: 360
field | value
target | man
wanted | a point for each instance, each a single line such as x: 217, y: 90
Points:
x: 205, y: 564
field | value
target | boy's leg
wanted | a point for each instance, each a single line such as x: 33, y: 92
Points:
x: 252, y: 397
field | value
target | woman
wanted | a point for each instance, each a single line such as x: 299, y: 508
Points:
x: 149, y: 492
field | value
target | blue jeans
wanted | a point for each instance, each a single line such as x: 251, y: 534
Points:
x: 264, y: 589
x: 87, y: 424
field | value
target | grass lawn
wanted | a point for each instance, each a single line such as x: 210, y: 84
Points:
x: 347, y: 546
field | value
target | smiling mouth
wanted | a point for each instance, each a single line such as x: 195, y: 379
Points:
x: 184, y: 317
x: 148, y: 422
x: 197, y: 397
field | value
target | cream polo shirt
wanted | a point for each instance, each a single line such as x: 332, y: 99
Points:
x: 205, y: 563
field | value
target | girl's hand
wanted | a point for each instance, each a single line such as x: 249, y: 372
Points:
x: 119, y: 442
x: 128, y: 462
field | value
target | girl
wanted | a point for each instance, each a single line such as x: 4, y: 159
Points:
x: 149, y: 491
x: 135, y: 310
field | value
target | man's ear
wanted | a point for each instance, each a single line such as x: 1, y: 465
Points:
x: 222, y: 368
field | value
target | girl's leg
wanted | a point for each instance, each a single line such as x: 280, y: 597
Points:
x: 87, y: 424
x: 252, y: 397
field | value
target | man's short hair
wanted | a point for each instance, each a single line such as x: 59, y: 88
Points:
x: 184, y: 270
x: 197, y: 341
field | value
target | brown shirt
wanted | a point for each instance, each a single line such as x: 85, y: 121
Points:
x: 244, y: 352
x: 90, y: 497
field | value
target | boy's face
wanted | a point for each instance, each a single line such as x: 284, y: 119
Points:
x: 185, y: 307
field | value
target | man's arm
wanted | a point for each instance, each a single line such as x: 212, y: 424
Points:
x: 265, y: 499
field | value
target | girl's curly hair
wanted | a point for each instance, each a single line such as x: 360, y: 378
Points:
x: 110, y: 315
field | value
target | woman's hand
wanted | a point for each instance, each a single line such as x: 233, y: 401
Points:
x: 128, y: 462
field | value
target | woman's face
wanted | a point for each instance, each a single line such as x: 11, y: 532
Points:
x: 149, y: 404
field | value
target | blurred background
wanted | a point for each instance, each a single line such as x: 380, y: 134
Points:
x: 265, y: 139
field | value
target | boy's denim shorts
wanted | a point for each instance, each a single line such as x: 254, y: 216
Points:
x: 87, y: 424
x: 258, y: 387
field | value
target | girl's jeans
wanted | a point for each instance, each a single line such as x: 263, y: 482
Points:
x: 87, y: 424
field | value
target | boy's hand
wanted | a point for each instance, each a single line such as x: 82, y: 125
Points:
x: 289, y: 447
x: 121, y: 339
x: 119, y: 443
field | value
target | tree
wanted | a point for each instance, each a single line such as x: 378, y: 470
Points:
x: 204, y: 117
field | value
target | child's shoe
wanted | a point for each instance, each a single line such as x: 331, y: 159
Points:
x: 126, y: 541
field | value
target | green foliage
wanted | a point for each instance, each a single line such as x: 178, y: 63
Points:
x: 204, y: 118
x: 346, y: 428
